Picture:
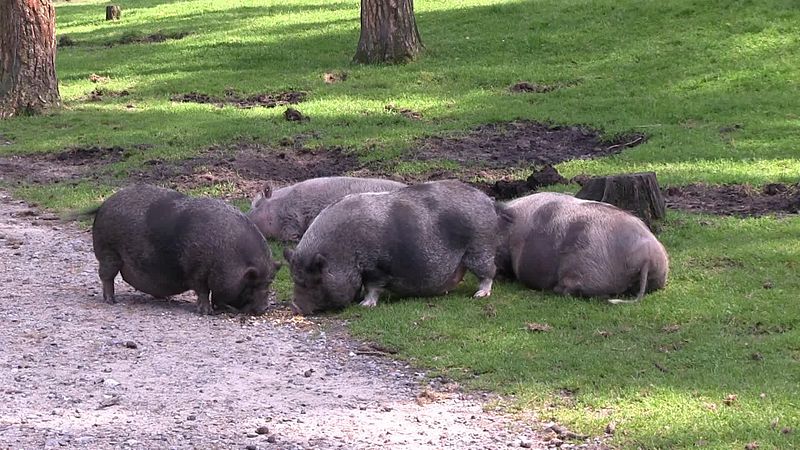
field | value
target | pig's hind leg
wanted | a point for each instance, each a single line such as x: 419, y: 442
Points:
x: 481, y: 263
x: 110, y: 266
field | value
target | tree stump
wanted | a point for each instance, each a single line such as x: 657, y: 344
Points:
x: 113, y: 12
x: 637, y: 193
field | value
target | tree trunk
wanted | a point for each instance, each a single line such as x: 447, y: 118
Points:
x: 112, y: 12
x: 28, y: 82
x: 388, y: 32
x: 637, y: 193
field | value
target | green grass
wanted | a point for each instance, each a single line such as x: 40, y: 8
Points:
x: 664, y: 386
x: 715, y: 84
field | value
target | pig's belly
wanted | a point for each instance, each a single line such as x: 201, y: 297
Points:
x: 151, y: 283
x: 433, y: 284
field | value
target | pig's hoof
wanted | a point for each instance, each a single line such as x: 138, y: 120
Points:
x: 369, y: 303
x: 205, y: 309
x: 482, y: 293
x: 110, y: 299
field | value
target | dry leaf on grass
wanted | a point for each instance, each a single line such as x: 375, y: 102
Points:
x: 95, y: 78
x: 538, y: 327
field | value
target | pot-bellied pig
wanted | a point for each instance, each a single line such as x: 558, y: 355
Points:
x: 286, y: 213
x: 582, y: 248
x: 416, y: 241
x: 165, y: 243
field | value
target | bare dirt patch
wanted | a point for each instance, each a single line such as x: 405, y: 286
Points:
x: 493, y: 154
x: 89, y: 155
x: 266, y: 100
x: 70, y: 165
x: 525, y: 86
x: 504, y: 189
x: 735, y: 199
x: 521, y: 144
x: 144, y: 373
x: 293, y: 115
x: 405, y: 112
x: 100, y: 94
x: 158, y: 36
x: 247, y: 166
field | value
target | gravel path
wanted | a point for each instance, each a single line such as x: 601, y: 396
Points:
x: 78, y: 373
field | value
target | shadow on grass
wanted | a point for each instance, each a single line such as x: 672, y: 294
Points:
x: 142, y: 17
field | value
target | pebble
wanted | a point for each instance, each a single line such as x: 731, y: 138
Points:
x: 83, y: 440
x: 263, y: 429
x: 131, y: 344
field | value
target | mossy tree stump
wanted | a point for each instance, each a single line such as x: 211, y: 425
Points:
x: 637, y: 193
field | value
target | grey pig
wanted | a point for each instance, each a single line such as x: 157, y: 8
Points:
x: 416, y: 241
x: 164, y: 243
x: 582, y: 248
x: 286, y: 213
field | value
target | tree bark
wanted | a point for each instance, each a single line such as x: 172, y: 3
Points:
x: 28, y: 82
x: 388, y: 32
x: 637, y: 193
x: 112, y: 12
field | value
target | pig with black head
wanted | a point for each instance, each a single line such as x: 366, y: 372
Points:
x: 287, y: 212
x: 416, y: 241
x: 164, y: 243
x: 581, y: 248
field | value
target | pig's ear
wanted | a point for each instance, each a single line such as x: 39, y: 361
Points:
x: 267, y: 191
x: 288, y: 254
x: 319, y: 262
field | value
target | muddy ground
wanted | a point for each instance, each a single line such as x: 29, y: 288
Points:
x: 76, y: 372
x: 492, y: 153
x: 231, y: 98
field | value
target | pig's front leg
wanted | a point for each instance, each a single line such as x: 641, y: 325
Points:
x: 371, y: 299
x: 204, y: 302
x: 484, y: 288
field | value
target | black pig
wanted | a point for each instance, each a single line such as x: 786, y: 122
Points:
x: 415, y: 241
x: 164, y: 243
